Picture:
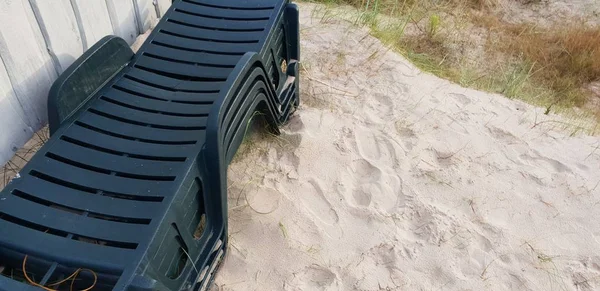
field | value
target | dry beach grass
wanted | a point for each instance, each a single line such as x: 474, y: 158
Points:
x: 499, y: 46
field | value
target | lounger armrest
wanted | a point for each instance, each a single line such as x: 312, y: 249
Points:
x: 239, y: 95
x: 84, y: 77
x: 213, y: 151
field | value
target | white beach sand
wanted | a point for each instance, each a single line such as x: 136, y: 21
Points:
x: 387, y: 178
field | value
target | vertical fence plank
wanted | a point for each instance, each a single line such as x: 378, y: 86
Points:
x: 122, y: 17
x: 14, y: 131
x: 93, y: 17
x: 29, y: 66
x: 163, y: 6
x: 146, y: 14
x: 59, y: 26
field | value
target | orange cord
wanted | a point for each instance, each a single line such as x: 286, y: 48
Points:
x: 72, y: 277
x: 66, y: 279
x: 77, y: 273
x: 31, y: 281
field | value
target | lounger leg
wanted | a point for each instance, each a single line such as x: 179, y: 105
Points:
x: 292, y: 16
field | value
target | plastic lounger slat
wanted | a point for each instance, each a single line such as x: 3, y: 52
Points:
x: 166, y: 83
x: 194, y: 57
x: 132, y: 148
x: 151, y: 107
x: 104, y: 182
x: 201, y: 45
x: 147, y: 119
x: 183, y: 70
x: 57, y: 194
x: 225, y: 13
x: 68, y: 222
x: 111, y: 162
x: 241, y: 5
x: 148, y: 92
x: 165, y: 107
x: 150, y: 141
x: 97, y: 257
x: 217, y: 24
x: 211, y: 35
x: 216, y: 11
x: 174, y: 60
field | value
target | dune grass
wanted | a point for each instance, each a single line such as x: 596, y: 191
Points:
x: 564, y: 58
x: 546, y: 66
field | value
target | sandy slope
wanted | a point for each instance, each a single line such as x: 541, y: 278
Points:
x: 390, y: 179
x: 550, y: 12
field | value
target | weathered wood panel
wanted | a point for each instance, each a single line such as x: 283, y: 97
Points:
x: 94, y: 19
x: 122, y: 17
x: 146, y: 13
x: 40, y: 38
x: 29, y: 66
x: 163, y: 6
x: 59, y: 27
x: 13, y: 128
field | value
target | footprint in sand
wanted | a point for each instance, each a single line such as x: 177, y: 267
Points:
x: 503, y: 135
x: 367, y: 145
x: 380, y: 107
x: 375, y: 147
x: 583, y: 167
x: 313, y: 198
x: 263, y: 200
x: 407, y: 135
x: 364, y: 171
x: 363, y: 194
x: 386, y: 254
x: 391, y: 196
x: 536, y: 156
x: 461, y: 98
x: 314, y: 277
x: 295, y: 124
x: 366, y: 185
x: 374, y: 179
x: 379, y: 267
x: 385, y: 194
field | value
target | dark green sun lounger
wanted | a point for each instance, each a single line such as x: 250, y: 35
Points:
x: 132, y: 183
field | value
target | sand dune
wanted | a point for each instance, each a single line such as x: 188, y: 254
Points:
x: 387, y: 178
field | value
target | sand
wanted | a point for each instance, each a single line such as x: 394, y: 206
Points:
x: 550, y: 12
x: 387, y: 178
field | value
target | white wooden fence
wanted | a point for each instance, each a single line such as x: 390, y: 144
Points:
x: 39, y: 39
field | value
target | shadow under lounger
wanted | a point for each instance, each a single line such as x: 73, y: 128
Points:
x: 131, y: 188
